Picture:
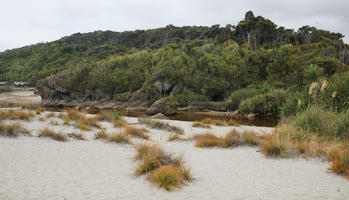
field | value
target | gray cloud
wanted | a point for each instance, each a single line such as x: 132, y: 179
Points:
x: 28, y: 22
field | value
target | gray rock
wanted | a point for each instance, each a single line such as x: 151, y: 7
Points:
x: 160, y: 106
x: 158, y: 116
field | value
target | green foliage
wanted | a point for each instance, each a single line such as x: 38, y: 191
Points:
x: 269, y: 102
x: 184, y: 99
x: 341, y: 125
x: 247, y: 62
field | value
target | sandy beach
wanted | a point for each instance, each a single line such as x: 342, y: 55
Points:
x: 41, y: 168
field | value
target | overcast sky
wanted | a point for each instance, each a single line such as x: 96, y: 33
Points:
x: 25, y: 22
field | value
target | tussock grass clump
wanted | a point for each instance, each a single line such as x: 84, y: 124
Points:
x: 16, y: 115
x: 340, y: 162
x: 162, y: 168
x: 108, y: 116
x: 160, y: 125
x: 77, y: 136
x: 119, y: 138
x: 49, y: 115
x: 176, y: 137
x: 168, y: 176
x: 199, y: 124
x: 250, y: 138
x: 13, y: 130
x: 101, y: 135
x: 84, y: 123
x: 275, y: 145
x: 232, y: 122
x: 46, y: 132
x: 215, y: 122
x: 231, y: 139
x: 136, y: 132
x: 38, y: 111
x: 119, y: 123
x: 42, y: 119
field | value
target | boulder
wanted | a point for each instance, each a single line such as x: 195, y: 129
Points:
x: 160, y: 106
x: 158, y: 116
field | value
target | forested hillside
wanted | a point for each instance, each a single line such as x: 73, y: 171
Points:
x: 185, y: 64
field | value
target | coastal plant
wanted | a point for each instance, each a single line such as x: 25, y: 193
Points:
x: 160, y: 125
x: 13, y: 130
x: 250, y: 138
x: 275, y: 145
x: 101, y: 135
x: 340, y: 162
x: 211, y: 121
x: 46, y: 132
x: 199, y: 124
x: 49, y: 115
x: 136, y: 132
x: 16, y: 115
x: 119, y: 138
x: 232, y: 138
x: 119, y: 122
x: 162, y: 168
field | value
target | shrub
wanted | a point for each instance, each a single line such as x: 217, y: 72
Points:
x: 270, y: 102
x: 242, y: 94
x: 46, y: 132
x: 314, y: 119
x: 341, y: 125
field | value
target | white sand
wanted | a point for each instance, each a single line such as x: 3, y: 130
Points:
x: 20, y: 97
x: 41, y: 168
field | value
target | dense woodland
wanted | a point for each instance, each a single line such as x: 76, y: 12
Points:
x: 258, y: 66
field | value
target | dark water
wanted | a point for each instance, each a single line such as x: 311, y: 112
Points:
x: 265, y: 121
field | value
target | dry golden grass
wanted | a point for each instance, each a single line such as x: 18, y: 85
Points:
x: 16, y: 115
x: 38, y: 111
x: 136, y: 132
x: 199, y: 124
x: 162, y: 168
x: 175, y: 137
x: 49, y: 115
x: 275, y: 145
x: 119, y: 138
x: 250, y: 138
x: 46, y: 132
x: 42, y: 119
x: 232, y: 122
x: 169, y: 176
x: 231, y: 139
x: 340, y: 162
x: 101, y: 135
x: 119, y: 123
x: 13, y: 130
x: 211, y: 121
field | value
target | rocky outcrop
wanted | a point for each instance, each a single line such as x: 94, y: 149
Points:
x: 160, y: 106
x: 158, y: 116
